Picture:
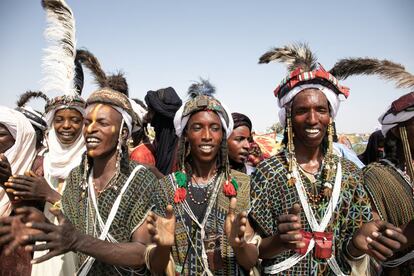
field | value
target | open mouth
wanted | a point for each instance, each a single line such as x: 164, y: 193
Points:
x: 92, y: 142
x: 206, y: 148
x: 66, y: 134
x: 312, y: 132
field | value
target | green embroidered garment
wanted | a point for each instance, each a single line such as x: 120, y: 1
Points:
x: 272, y: 196
x: 188, y: 250
x: 134, y: 206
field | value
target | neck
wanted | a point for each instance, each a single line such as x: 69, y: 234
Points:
x: 237, y: 166
x: 310, y: 158
x: 104, y: 169
x: 203, y: 170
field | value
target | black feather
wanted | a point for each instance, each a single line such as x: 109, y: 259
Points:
x: 25, y: 97
x: 203, y: 87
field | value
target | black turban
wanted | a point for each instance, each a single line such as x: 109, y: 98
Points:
x: 241, y: 120
x: 164, y: 103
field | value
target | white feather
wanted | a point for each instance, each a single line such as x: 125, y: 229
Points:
x: 58, y: 65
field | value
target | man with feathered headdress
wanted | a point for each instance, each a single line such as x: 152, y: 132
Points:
x: 389, y: 181
x: 309, y: 205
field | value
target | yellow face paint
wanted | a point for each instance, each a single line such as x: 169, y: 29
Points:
x: 94, y: 115
x: 113, y: 129
x: 94, y: 111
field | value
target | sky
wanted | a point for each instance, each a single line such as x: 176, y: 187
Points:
x: 172, y: 43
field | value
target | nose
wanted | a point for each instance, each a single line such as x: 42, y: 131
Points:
x: 246, y: 144
x: 312, y: 118
x: 206, y: 134
x: 66, y: 124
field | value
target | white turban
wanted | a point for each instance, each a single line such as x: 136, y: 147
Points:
x: 51, y: 114
x: 333, y: 99
x: 390, y: 120
x: 22, y: 154
x: 180, y: 122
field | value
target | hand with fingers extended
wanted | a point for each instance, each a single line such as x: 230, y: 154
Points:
x: 378, y: 239
x: 5, y: 169
x: 235, y: 225
x: 162, y: 230
x: 59, y: 239
x: 31, y: 187
x: 13, y: 229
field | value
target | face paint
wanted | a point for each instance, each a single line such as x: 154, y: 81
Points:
x: 113, y: 129
x: 94, y: 115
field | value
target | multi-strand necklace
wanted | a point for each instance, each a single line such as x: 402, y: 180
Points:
x: 207, y: 186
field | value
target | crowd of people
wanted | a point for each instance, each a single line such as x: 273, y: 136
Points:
x: 86, y: 191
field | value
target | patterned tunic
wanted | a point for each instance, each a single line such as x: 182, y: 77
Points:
x: 271, y: 196
x: 135, y: 204
x: 393, y: 199
x: 189, y: 242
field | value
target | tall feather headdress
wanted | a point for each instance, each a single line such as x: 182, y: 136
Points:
x: 295, y: 56
x: 385, y: 69
x: 59, y: 57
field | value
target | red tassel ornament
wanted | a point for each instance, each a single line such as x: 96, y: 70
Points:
x: 180, y: 194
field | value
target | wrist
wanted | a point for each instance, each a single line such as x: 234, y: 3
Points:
x: 53, y: 197
x: 352, y: 251
x: 78, y: 240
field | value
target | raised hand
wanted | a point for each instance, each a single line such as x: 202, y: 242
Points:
x: 235, y: 225
x: 59, y: 239
x: 5, y: 169
x: 13, y: 229
x: 288, y: 228
x: 162, y: 230
x: 31, y: 187
x: 377, y: 238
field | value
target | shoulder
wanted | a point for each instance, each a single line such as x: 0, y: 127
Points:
x: 271, y: 165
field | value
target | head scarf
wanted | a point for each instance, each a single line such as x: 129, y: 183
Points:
x: 241, y: 120
x: 36, y: 118
x: 22, y: 154
x: 164, y: 103
x: 318, y: 79
x: 401, y: 110
x: 120, y: 102
x: 202, y: 103
x: 62, y: 102
x: 60, y: 158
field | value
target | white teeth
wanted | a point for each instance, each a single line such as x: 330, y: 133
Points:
x: 206, y: 149
x: 92, y: 140
x: 312, y: 130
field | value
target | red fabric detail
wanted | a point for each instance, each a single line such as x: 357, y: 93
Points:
x: 306, y: 237
x: 320, y: 73
x: 228, y: 189
x: 180, y: 195
x: 323, y: 244
x: 143, y: 154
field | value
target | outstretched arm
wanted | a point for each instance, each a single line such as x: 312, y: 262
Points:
x: 65, y: 237
x: 237, y: 229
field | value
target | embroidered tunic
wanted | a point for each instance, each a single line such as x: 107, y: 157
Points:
x: 271, y: 196
x: 189, y: 242
x: 134, y: 206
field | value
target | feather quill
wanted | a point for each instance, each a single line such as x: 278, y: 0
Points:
x: 294, y: 56
x: 203, y: 87
x: 385, y: 69
x: 24, y: 98
x: 58, y: 60
x: 92, y: 63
